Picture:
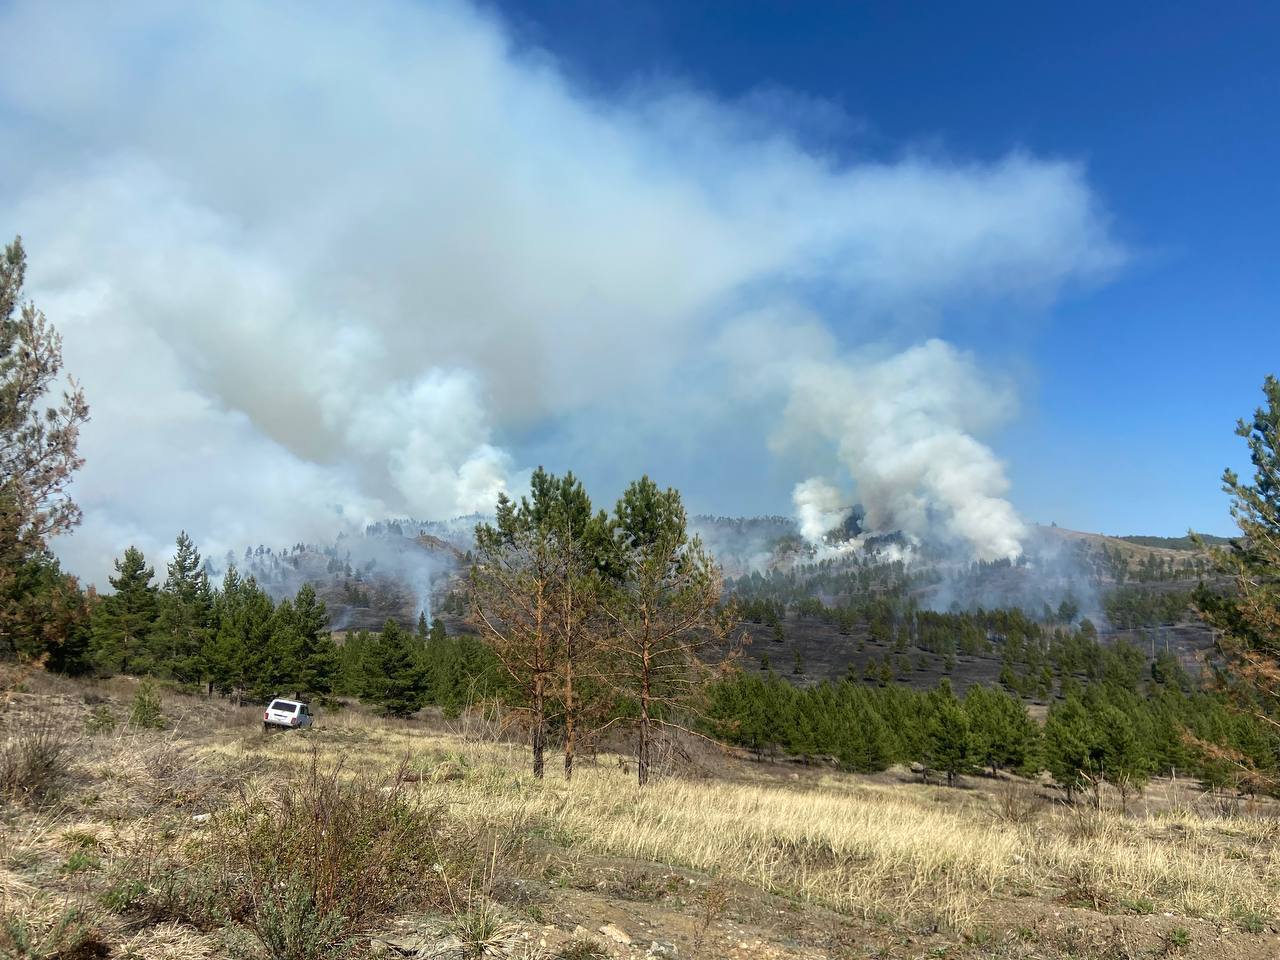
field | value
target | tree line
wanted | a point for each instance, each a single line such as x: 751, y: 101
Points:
x: 235, y: 641
x: 1103, y: 732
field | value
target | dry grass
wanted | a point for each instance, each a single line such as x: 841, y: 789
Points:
x: 927, y: 854
x: 34, y: 763
x: 903, y: 854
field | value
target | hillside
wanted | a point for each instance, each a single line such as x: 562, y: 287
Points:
x: 400, y: 568
x: 391, y: 571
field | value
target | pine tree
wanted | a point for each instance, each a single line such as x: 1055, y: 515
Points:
x: 123, y: 622
x: 236, y: 652
x: 48, y: 617
x: 1068, y: 609
x: 1125, y: 761
x: 534, y: 590
x: 1004, y: 736
x: 353, y: 659
x: 398, y: 677
x: 664, y: 613
x: 1166, y: 669
x: 38, y: 457
x: 185, y: 615
x: 1007, y: 678
x: 316, y: 672
x: 862, y: 743
x: 279, y: 669
x: 437, y: 633
x: 1072, y: 745
x: 1248, y: 619
x: 949, y: 739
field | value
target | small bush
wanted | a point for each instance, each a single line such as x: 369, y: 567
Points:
x: 1139, y: 905
x: 1176, y: 940
x: 124, y: 893
x: 79, y: 861
x: 319, y: 860
x: 481, y: 929
x: 81, y: 840
x: 580, y: 949
x: 68, y: 934
x: 101, y: 720
x: 293, y: 925
x: 1016, y: 803
x: 146, y: 713
x: 200, y: 896
x: 35, y: 764
x: 1251, y: 921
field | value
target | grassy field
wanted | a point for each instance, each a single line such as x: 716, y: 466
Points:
x: 208, y: 838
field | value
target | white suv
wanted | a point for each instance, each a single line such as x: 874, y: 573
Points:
x: 286, y: 713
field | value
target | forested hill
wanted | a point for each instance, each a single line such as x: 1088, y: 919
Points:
x: 399, y: 568
x: 394, y: 570
x: 1021, y: 624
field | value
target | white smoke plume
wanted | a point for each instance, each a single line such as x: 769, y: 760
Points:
x: 902, y: 426
x: 820, y: 508
x: 321, y: 263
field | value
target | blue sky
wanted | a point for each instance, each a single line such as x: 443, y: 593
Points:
x: 1133, y: 385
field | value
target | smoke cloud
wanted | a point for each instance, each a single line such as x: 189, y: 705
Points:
x: 903, y: 428
x: 319, y: 264
x: 820, y: 508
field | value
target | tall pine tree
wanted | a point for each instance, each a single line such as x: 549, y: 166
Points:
x: 948, y: 737
x: 38, y: 456
x: 1004, y: 736
x: 236, y: 651
x: 185, y: 615
x: 664, y: 614
x: 123, y: 622
x: 1248, y: 619
x: 396, y: 678
x: 1073, y: 750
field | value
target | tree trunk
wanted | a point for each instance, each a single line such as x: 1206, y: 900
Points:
x: 539, y: 733
x: 642, y: 758
x: 569, y: 725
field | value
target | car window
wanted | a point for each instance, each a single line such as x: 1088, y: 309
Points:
x: 284, y: 706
